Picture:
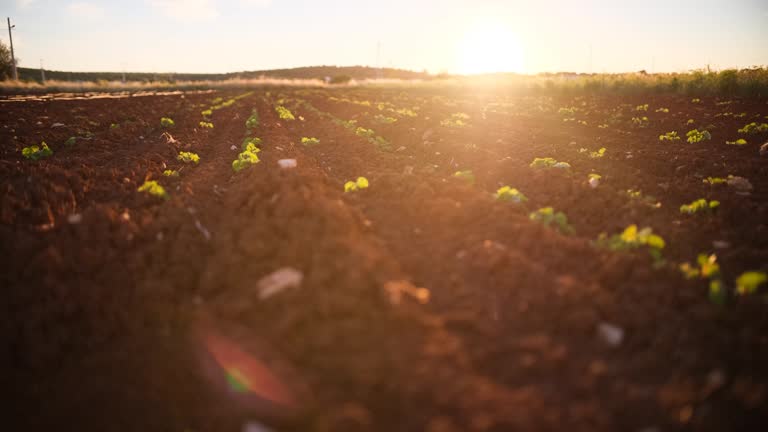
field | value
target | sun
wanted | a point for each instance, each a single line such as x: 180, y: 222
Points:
x: 489, y: 48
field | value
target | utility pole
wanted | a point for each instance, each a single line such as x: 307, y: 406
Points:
x: 13, y: 57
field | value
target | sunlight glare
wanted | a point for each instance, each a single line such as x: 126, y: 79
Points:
x: 489, y: 48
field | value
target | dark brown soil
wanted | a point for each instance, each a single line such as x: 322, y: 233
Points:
x: 124, y: 319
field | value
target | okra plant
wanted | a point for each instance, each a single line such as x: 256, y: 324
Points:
x: 740, y: 141
x: 360, y: 183
x: 749, y: 282
x: 309, y: 142
x: 694, y: 136
x: 188, y: 157
x: 548, y: 162
x: 669, y: 136
x: 170, y: 173
x: 206, y: 125
x: 754, y: 128
x: 550, y: 218
x: 37, y: 152
x: 632, y: 238
x: 167, y: 122
x: 153, y: 188
x: 506, y: 193
x: 699, y: 206
x: 466, y: 175
x: 246, y: 158
x: 284, y: 113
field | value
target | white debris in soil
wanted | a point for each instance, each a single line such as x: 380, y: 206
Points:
x: 721, y: 244
x: 75, y: 218
x: 56, y: 125
x: 203, y: 230
x: 396, y: 289
x: 739, y: 183
x: 610, y: 334
x: 287, y: 163
x: 233, y: 148
x: 278, y: 281
x: 764, y: 149
x: 252, y: 426
x: 594, y: 182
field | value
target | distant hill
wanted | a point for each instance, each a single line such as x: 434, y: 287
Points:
x: 311, y: 72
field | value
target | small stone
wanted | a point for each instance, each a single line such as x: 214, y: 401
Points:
x: 721, y: 244
x: 279, y: 280
x: 610, y: 334
x: 594, y: 182
x: 287, y: 163
x: 739, y: 183
x: 401, y: 148
x: 75, y: 218
x: 764, y: 149
x: 57, y: 125
x: 233, y: 147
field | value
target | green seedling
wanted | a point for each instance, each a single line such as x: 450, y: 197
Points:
x: 640, y: 122
x: 284, y: 113
x: 510, y: 194
x: 669, y: 136
x: 740, y: 141
x: 246, y: 158
x: 699, y: 206
x: 70, y: 141
x: 567, y: 111
x: 253, y: 121
x: 207, y: 113
x: 597, y: 154
x: 255, y: 141
x: 206, y: 125
x: 663, y: 110
x: 171, y: 173
x: 384, y: 119
x: 466, y: 175
x: 716, y: 180
x: 456, y: 120
x: 749, y: 282
x: 309, y: 142
x: 632, y: 238
x: 754, y: 128
x: 708, y: 269
x: 690, y: 122
x: 166, y: 122
x: 694, y: 136
x: 645, y: 199
x: 363, y: 132
x: 37, y: 152
x: 153, y: 188
x: 114, y: 126
x: 188, y: 157
x: 548, y: 162
x: 695, y: 100
x: 602, y: 126
x: 641, y: 107
x: 360, y: 183
x: 550, y: 218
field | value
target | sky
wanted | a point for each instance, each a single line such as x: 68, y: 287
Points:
x: 456, y: 36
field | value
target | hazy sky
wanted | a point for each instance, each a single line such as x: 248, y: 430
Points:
x: 437, y: 35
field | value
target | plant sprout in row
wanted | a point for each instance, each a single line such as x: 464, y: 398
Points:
x: 363, y: 132
x: 360, y: 183
x: 642, y: 107
x: 550, y: 218
x: 466, y: 175
x: 663, y: 110
x: 632, y: 238
x: 669, y: 136
x: 70, y: 141
x: 707, y: 269
x: 309, y: 142
x: 506, y: 193
x: 384, y: 119
x: 207, y: 113
x: 640, y: 122
x: 153, y: 188
x: 548, y: 162
x: 171, y: 173
x: 740, y: 141
x: 597, y: 154
x: 166, y: 122
x: 246, y: 158
x: 284, y: 113
x: 255, y: 141
x: 754, y: 128
x: 749, y: 282
x: 456, y: 120
x: 206, y: 125
x: 253, y: 120
x: 35, y: 153
x: 188, y: 157
x: 694, y: 136
x: 698, y: 206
